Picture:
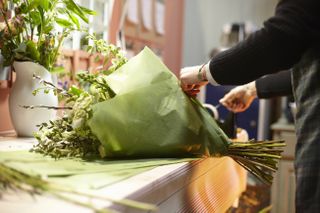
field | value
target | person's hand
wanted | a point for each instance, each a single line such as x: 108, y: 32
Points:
x: 191, y: 80
x: 240, y: 98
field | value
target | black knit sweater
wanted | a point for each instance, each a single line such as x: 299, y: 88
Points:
x: 277, y: 46
x: 278, y: 84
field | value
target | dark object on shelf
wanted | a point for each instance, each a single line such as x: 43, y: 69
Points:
x: 229, y: 125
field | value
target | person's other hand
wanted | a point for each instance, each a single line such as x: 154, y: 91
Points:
x: 240, y: 98
x: 192, y: 80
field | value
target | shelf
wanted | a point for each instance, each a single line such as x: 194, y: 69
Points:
x: 205, y: 185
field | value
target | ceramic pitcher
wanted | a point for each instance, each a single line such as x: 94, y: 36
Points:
x: 25, y: 120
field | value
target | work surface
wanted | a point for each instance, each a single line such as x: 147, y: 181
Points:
x: 206, y: 185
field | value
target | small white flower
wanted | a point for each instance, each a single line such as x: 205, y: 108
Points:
x: 2, y: 25
x: 77, y: 123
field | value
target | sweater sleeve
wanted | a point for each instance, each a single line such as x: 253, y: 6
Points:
x: 277, y: 46
x: 273, y: 85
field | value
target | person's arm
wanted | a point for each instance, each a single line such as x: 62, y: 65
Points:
x: 277, y: 46
x: 240, y: 98
x: 273, y: 85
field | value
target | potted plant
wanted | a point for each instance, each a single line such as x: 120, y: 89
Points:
x: 31, y: 37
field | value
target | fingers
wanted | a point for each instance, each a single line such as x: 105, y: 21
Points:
x: 229, y: 100
x: 235, y: 105
x: 233, y: 102
x: 190, y: 90
x: 192, y: 93
x: 187, y: 87
x: 190, y: 82
x: 189, y: 75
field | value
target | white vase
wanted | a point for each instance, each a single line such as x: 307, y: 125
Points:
x: 25, y: 120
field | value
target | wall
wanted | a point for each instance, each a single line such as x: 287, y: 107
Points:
x: 204, y: 20
x: 5, y: 122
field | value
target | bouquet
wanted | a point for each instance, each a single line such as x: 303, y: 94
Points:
x: 136, y: 109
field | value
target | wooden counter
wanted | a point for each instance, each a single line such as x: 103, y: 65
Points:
x: 208, y: 185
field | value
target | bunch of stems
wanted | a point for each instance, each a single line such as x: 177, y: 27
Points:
x: 258, y: 157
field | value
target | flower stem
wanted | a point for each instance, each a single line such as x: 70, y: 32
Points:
x: 46, y: 107
x: 61, y: 91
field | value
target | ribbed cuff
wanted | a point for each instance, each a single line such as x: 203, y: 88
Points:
x: 209, y: 76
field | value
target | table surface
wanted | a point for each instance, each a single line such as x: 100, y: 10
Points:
x: 211, y: 184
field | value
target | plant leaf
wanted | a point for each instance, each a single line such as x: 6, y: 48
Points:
x: 97, y: 58
x: 74, y: 8
x: 58, y: 70
x: 75, y: 90
x: 74, y: 19
x: 35, y: 16
x: 88, y: 11
x: 32, y: 51
x: 63, y: 22
x: 47, y: 29
x: 61, y: 10
x: 33, y: 4
x: 44, y: 4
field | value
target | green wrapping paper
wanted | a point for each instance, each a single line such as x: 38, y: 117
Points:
x: 151, y: 116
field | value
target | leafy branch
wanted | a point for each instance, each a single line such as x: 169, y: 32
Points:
x: 50, y: 85
x: 70, y: 135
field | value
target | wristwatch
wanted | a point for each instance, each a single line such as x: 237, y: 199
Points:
x: 202, y: 76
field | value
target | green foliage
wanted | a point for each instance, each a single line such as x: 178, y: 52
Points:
x: 15, y: 180
x: 31, y: 35
x: 70, y: 135
x: 110, y: 53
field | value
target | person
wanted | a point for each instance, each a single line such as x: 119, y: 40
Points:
x: 289, y: 39
x: 240, y: 98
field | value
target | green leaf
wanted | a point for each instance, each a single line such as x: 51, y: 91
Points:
x: 89, y: 48
x: 47, y: 29
x: 44, y: 4
x: 58, y: 70
x: 24, y: 9
x: 61, y: 10
x: 63, y: 22
x: 74, y: 20
x: 97, y: 58
x: 101, y: 172
x: 88, y: 11
x: 32, y: 51
x: 75, y: 90
x: 74, y: 8
x: 35, y: 17
x: 33, y: 4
